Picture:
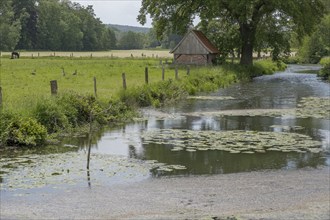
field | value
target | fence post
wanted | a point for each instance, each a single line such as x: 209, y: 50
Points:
x: 188, y: 70
x: 95, y: 90
x: 124, y: 80
x: 176, y: 72
x: 53, y: 87
x: 146, y: 75
x: 163, y: 73
x: 0, y: 97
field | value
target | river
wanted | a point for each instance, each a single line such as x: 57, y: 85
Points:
x: 218, y: 133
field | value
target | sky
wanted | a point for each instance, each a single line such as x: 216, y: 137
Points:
x: 123, y: 12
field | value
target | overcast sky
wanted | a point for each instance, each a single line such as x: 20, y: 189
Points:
x: 122, y: 12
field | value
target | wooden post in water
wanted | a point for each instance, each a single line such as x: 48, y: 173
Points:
x: 146, y: 74
x: 124, y: 80
x: 89, y: 147
x: 53, y: 87
x: 188, y: 70
x: 95, y: 90
x: 163, y: 72
x: 176, y: 73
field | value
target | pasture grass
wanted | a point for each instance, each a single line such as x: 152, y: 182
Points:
x: 25, y: 81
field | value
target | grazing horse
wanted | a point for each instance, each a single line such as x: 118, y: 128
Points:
x: 14, y: 55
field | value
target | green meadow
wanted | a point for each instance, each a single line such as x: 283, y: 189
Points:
x: 25, y: 81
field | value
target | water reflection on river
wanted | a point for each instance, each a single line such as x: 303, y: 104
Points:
x: 280, y: 91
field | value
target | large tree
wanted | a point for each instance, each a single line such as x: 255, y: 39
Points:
x: 248, y: 15
x: 9, y: 27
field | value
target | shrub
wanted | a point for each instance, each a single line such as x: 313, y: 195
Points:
x: 79, y: 109
x: 25, y: 131
x: 5, y: 119
x: 325, y: 71
x: 119, y: 111
x: 51, y: 115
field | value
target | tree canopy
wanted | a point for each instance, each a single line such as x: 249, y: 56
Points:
x: 52, y: 25
x: 257, y: 22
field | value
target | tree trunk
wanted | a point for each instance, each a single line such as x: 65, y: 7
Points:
x: 247, y: 36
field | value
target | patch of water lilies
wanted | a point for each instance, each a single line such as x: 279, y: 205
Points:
x: 219, y: 98
x: 286, y: 127
x: 308, y: 107
x: 316, y: 107
x: 62, y: 170
x: 237, y: 141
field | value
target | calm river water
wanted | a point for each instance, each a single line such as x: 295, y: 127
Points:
x: 283, y: 90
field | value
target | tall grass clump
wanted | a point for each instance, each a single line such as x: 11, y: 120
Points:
x: 69, y: 111
x: 156, y: 94
x: 208, y: 79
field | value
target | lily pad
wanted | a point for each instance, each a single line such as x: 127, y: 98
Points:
x: 232, y: 141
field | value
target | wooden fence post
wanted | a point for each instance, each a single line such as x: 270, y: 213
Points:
x: 163, y: 73
x: 124, y: 80
x: 0, y: 97
x: 53, y: 87
x: 176, y: 72
x: 188, y: 70
x: 146, y: 75
x: 95, y: 90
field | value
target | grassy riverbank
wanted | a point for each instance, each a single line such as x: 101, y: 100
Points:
x: 30, y: 114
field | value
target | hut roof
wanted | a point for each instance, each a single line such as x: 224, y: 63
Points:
x: 202, y: 39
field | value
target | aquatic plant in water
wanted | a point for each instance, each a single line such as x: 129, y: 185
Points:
x: 308, y: 107
x: 237, y: 141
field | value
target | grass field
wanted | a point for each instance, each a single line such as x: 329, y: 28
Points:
x: 25, y: 80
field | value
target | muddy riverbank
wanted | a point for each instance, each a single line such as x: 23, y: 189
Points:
x: 283, y: 194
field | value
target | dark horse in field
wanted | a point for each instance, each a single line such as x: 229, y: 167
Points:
x: 14, y: 55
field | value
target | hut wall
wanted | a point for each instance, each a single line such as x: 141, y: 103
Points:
x: 190, y: 59
x: 191, y: 45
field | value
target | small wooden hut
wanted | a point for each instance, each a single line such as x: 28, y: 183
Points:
x: 194, y: 49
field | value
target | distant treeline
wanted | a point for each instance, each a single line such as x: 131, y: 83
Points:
x: 64, y: 25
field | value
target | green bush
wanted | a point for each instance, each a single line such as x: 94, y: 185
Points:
x: 5, y: 119
x: 25, y: 131
x: 51, y: 115
x: 325, y: 71
x: 119, y: 111
x: 69, y: 110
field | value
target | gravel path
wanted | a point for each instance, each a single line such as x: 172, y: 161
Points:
x: 295, y: 194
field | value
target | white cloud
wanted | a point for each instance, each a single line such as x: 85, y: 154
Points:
x: 122, y: 12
